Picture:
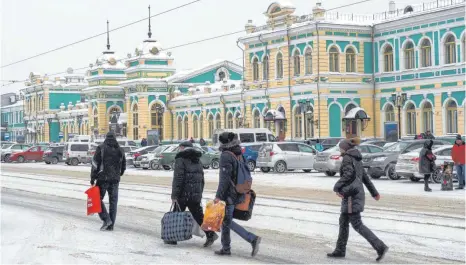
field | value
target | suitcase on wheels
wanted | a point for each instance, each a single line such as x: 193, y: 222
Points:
x: 447, y: 176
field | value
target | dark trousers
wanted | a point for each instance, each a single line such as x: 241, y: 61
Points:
x: 198, y: 213
x: 112, y: 189
x: 426, y: 179
x: 356, y: 222
x: 228, y: 224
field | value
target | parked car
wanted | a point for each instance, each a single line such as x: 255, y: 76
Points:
x: 329, y: 161
x: 150, y: 159
x: 250, y: 154
x: 121, y: 142
x: 328, y: 143
x: 76, y: 153
x: 90, y: 154
x: 246, y: 135
x: 208, y: 159
x: 384, y: 163
x: 284, y: 156
x: 53, y: 155
x: 408, y: 164
x: 379, y: 143
x: 209, y: 148
x: 14, y: 148
x: 449, y: 138
x: 132, y: 155
x: 34, y: 153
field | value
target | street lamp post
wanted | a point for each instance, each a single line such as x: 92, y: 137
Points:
x: 308, y: 115
x: 399, y: 99
x: 49, y: 121
x: 80, y: 120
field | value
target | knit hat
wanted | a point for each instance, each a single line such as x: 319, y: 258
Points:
x: 227, y: 137
x: 347, y: 144
x: 110, y: 135
x: 186, y: 144
x: 458, y: 137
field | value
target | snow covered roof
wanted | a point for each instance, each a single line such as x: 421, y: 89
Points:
x: 16, y: 104
x: 188, y: 73
x: 108, y: 60
x: 227, y: 87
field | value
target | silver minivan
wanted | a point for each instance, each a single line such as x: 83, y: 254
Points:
x: 75, y: 153
x: 246, y: 135
x: 284, y: 156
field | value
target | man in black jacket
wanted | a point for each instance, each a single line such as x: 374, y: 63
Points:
x: 427, y: 163
x: 350, y: 188
x: 188, y: 185
x: 226, y: 191
x: 108, y: 165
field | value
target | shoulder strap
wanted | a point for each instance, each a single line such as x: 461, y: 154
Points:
x: 102, y: 159
x: 233, y: 154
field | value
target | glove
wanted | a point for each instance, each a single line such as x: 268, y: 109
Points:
x: 92, y: 182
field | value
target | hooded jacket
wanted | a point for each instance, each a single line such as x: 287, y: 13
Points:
x: 427, y: 158
x: 228, y: 166
x: 114, y: 161
x: 350, y: 184
x: 188, y: 176
x: 458, y: 153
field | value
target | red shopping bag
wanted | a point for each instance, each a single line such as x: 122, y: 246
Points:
x: 93, y: 200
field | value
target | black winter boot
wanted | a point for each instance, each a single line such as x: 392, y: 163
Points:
x: 210, y: 240
x: 223, y: 252
x: 381, y: 253
x: 426, y: 186
x: 106, y: 225
x: 255, y: 246
x: 336, y: 254
x: 174, y: 243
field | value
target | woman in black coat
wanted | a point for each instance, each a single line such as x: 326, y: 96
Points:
x: 350, y: 188
x: 427, y: 163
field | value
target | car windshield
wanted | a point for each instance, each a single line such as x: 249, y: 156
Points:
x: 5, y: 146
x: 398, y: 147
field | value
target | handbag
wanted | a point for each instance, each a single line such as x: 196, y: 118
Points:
x: 197, y: 231
x: 93, y: 200
x: 243, y: 210
x: 177, y: 225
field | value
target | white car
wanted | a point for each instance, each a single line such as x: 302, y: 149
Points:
x: 284, y: 156
x: 150, y: 159
x: 408, y: 164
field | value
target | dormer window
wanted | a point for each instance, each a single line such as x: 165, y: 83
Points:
x: 221, y: 75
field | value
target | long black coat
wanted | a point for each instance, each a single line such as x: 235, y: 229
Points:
x: 114, y: 162
x: 427, y: 158
x: 226, y: 191
x: 188, y: 177
x: 350, y: 184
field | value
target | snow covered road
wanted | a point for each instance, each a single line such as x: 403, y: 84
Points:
x: 294, y: 230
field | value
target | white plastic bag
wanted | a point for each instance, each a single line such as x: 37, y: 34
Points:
x: 197, y: 231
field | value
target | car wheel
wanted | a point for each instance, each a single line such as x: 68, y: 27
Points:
x: 414, y: 179
x: 390, y: 171
x: 215, y: 164
x: 154, y: 166
x: 280, y: 167
x: 307, y: 170
x: 48, y: 163
x: 74, y: 162
x: 54, y: 160
x: 330, y: 173
x: 21, y: 159
x: 166, y: 167
x: 205, y: 166
x: 7, y: 158
x: 375, y: 176
x: 437, y: 176
x: 265, y: 169
x: 251, y: 165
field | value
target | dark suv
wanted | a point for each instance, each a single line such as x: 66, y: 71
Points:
x: 53, y: 155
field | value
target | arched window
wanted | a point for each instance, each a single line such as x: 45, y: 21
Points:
x: 389, y: 113
x: 350, y: 60
x: 452, y: 117
x: 257, y: 119
x: 135, y: 122
x: 201, y: 126
x: 238, y: 120
x: 333, y: 59
x: 279, y: 66
x: 426, y: 53
x: 195, y: 127
x: 296, y: 63
x: 463, y: 48
x: 229, y: 121
x: 255, y: 69
x: 298, y: 123
x: 410, y: 119
x: 265, y: 68
x: 112, y: 117
x: 221, y: 75
x: 156, y: 117
x: 409, y: 55
x: 186, y: 128
x: 211, y: 126
x: 427, y: 117
x: 180, y: 128
x: 349, y: 107
x: 388, y: 59
x: 218, y: 121
x: 450, y: 49
x: 308, y: 61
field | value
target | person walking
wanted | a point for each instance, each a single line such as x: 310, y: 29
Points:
x: 350, y: 188
x: 226, y: 192
x: 108, y: 165
x: 427, y: 163
x: 202, y: 142
x: 188, y: 186
x: 429, y: 135
x: 191, y: 140
x: 458, y: 156
x: 143, y: 142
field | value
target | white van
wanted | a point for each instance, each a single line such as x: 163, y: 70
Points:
x: 81, y: 138
x: 75, y: 153
x: 246, y: 135
x: 121, y: 142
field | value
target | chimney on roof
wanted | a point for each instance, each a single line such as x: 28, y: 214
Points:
x: 250, y: 27
x: 318, y: 11
x: 391, y: 7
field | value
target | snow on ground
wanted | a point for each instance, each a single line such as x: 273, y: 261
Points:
x: 438, y: 236
x: 297, y: 179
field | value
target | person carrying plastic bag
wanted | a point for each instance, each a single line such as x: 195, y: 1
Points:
x: 226, y: 192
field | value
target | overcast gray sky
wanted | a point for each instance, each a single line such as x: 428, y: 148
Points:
x: 29, y: 27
